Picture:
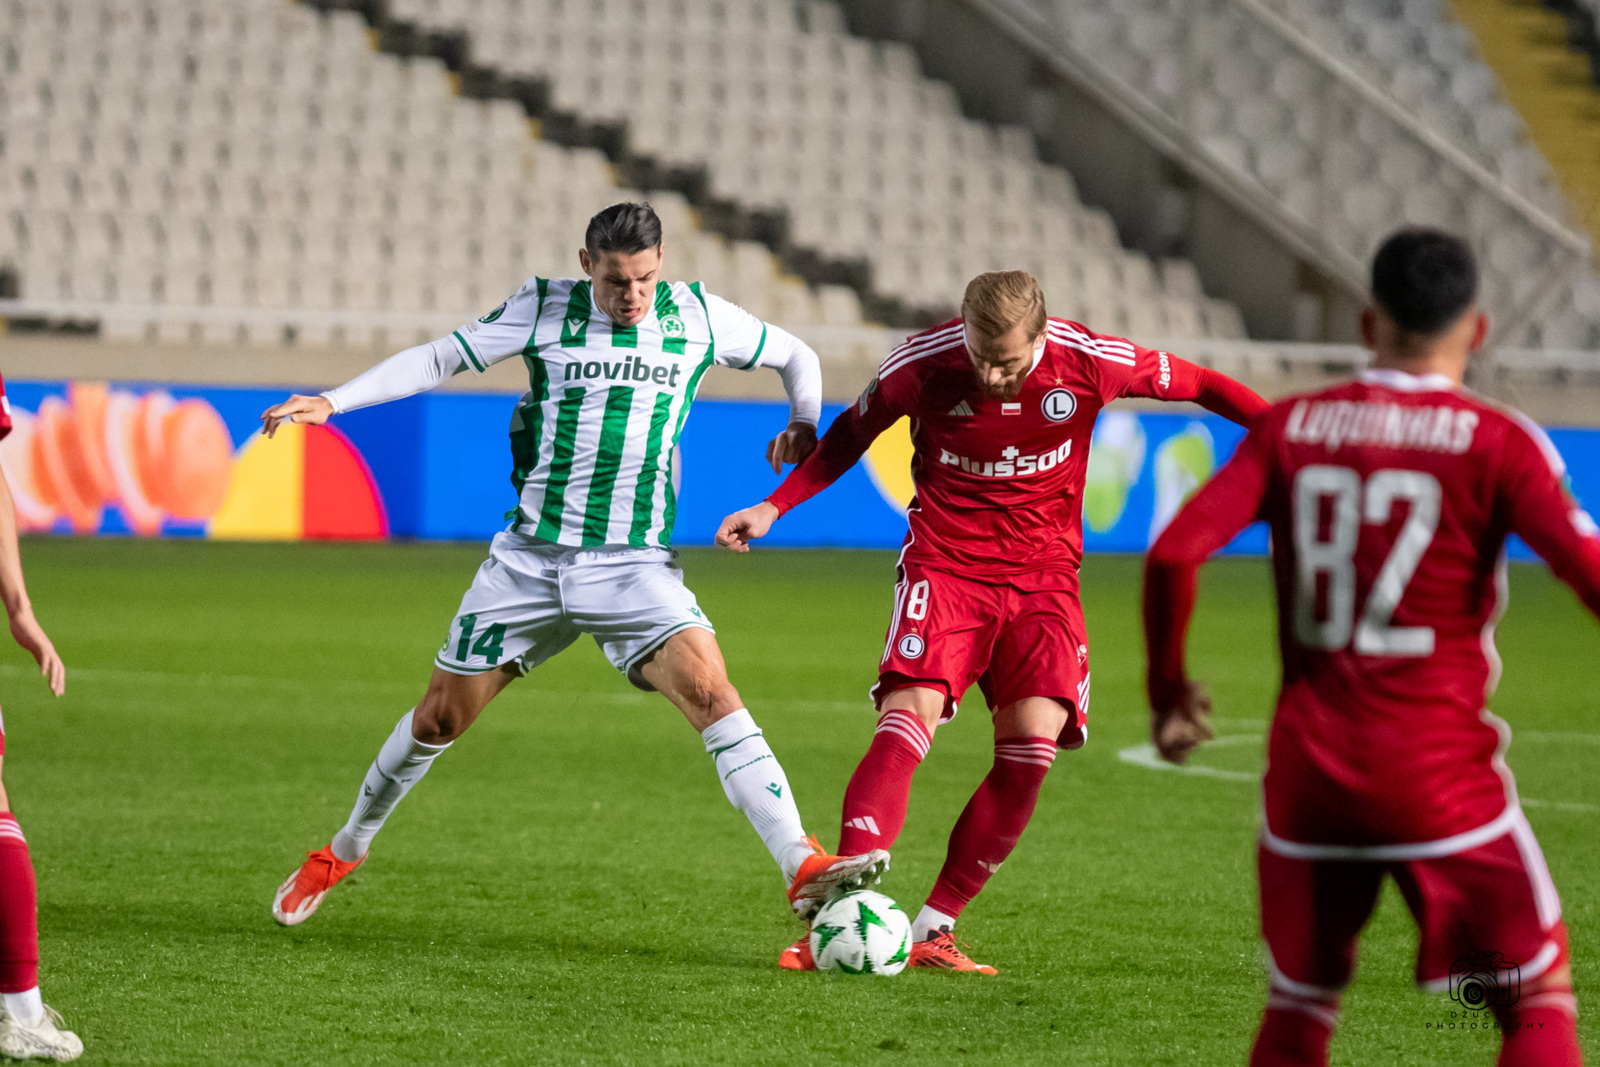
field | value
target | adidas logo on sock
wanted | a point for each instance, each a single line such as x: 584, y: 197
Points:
x: 864, y: 822
x: 962, y: 408
x: 992, y: 868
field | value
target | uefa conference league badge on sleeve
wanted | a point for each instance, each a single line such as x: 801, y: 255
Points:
x: 866, y: 397
x: 495, y: 314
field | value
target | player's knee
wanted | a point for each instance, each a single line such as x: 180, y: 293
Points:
x: 1557, y: 979
x: 440, y: 719
x: 710, y: 692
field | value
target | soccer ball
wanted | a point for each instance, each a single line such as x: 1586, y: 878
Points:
x: 861, y: 933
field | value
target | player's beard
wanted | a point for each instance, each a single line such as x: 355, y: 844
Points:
x: 1004, y: 391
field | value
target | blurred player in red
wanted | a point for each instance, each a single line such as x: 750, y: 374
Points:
x: 1390, y: 500
x: 28, y: 1029
x: 1003, y: 403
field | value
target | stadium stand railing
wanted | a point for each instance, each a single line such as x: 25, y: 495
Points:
x: 1256, y: 101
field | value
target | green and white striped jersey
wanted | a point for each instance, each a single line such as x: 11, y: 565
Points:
x: 592, y: 440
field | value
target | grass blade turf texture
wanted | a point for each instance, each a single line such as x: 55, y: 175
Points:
x: 540, y: 897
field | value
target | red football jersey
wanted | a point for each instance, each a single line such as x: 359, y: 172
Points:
x: 1390, y: 500
x: 5, y: 410
x: 999, y: 483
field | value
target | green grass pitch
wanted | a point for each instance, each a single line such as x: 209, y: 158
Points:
x: 569, y: 886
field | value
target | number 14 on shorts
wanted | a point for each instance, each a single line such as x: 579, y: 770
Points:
x: 487, y: 645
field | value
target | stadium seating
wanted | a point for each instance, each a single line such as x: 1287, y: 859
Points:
x: 171, y: 162
x: 868, y: 160
x: 1330, y: 158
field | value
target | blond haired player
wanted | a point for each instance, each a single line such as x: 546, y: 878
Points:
x: 613, y: 365
x: 1002, y: 404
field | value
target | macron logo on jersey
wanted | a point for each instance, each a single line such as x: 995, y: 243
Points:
x: 1334, y: 423
x: 1013, y: 465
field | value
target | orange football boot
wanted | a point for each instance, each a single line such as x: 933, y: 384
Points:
x: 822, y: 877
x: 298, y: 898
x: 797, y: 957
x: 940, y: 952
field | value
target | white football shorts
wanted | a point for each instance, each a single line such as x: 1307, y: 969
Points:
x: 530, y: 599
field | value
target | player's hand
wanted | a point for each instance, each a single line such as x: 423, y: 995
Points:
x: 31, y: 636
x: 791, y: 446
x: 307, y: 410
x: 742, y: 527
x: 1179, y: 729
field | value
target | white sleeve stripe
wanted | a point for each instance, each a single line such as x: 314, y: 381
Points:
x: 900, y: 355
x: 918, y: 344
x: 1558, y: 464
x: 1114, y: 344
x: 906, y: 361
x: 1093, y: 346
x: 942, y: 341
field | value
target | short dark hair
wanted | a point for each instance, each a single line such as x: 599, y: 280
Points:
x: 626, y: 228
x: 1424, y: 279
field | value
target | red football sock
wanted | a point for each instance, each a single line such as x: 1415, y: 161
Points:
x: 875, y: 800
x: 1294, y: 1032
x: 993, y: 820
x: 19, y: 917
x: 1541, y: 1031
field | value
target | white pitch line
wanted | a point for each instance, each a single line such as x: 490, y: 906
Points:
x: 1559, y: 805
x: 1146, y: 756
x: 1559, y: 736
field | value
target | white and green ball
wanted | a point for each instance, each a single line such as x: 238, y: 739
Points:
x: 861, y: 933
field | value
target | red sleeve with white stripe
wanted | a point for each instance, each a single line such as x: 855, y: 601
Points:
x: 1126, y: 369
x: 887, y: 397
x: 1538, y: 508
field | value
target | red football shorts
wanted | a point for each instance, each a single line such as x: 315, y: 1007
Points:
x: 1020, y: 636
x: 1489, y: 916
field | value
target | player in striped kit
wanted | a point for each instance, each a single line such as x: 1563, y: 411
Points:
x: 613, y: 365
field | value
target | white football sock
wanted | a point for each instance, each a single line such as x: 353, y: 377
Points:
x: 929, y: 922
x: 25, y: 1007
x: 401, y: 763
x: 756, y: 785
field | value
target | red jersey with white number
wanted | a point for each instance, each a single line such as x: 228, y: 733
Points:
x: 1390, y: 500
x: 999, y: 483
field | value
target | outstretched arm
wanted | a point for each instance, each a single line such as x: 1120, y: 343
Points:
x: 1544, y: 514
x: 1171, y: 378
x: 25, y: 629
x: 1179, y: 708
x: 403, y: 374
x: 502, y: 334
x: 744, y: 342
x: 845, y: 442
x: 801, y: 372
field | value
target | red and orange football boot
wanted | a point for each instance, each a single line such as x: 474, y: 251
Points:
x: 941, y: 953
x: 822, y: 877
x: 797, y: 957
x: 298, y: 898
